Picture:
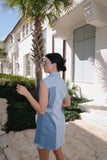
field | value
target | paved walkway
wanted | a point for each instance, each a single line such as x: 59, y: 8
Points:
x: 82, y: 142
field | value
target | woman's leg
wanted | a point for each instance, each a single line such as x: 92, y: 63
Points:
x: 43, y: 154
x: 58, y: 153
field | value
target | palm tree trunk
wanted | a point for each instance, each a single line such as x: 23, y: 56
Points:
x: 38, y: 52
x: 37, y: 84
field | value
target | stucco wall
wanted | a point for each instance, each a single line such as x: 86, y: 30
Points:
x: 98, y: 89
x: 101, y: 63
x: 69, y: 61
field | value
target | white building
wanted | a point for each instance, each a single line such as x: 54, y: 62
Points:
x: 85, y: 30
x: 80, y: 36
x: 18, y: 45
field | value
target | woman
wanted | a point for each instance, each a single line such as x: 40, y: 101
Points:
x: 50, y: 131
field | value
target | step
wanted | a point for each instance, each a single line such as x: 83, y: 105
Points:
x: 96, y: 117
x: 96, y: 114
x: 87, y: 117
x: 93, y: 108
x: 93, y: 105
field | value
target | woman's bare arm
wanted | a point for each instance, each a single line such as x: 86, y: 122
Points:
x: 67, y: 101
x: 43, y: 99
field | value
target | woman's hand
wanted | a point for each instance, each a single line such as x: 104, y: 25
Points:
x: 40, y: 106
x: 22, y: 90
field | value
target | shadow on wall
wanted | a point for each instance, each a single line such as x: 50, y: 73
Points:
x: 84, y: 142
x: 101, y: 69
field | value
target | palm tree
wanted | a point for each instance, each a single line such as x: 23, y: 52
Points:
x: 38, y: 11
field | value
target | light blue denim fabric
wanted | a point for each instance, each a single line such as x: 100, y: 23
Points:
x: 40, y: 147
x: 50, y: 131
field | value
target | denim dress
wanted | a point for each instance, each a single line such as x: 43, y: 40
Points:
x: 50, y: 131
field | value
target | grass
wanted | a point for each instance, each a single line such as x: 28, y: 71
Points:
x: 20, y: 114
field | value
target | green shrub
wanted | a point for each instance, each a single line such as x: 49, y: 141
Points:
x: 73, y: 112
x: 20, y: 114
x: 72, y: 91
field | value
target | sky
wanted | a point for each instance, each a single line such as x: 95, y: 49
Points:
x: 8, y: 20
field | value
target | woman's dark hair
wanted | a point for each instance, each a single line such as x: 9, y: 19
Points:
x: 58, y: 59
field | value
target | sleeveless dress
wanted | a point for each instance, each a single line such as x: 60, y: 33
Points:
x: 50, y: 131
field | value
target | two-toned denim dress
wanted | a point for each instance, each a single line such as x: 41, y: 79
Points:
x: 50, y: 131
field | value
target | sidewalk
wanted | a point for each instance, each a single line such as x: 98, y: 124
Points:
x: 82, y: 141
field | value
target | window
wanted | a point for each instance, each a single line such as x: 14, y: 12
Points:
x: 23, y: 31
x: 31, y: 26
x: 27, y: 29
x: 28, y: 65
x: 11, y: 39
x: 45, y: 38
x: 84, y: 52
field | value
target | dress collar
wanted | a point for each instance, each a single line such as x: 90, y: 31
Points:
x: 54, y: 74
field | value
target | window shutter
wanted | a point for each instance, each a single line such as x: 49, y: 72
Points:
x: 84, y: 51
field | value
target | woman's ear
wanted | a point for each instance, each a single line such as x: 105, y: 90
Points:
x: 55, y: 66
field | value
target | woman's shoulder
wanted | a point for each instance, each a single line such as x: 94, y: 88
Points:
x: 46, y: 78
x: 47, y: 81
x: 54, y: 82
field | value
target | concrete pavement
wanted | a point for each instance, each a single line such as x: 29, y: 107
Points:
x: 82, y: 141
